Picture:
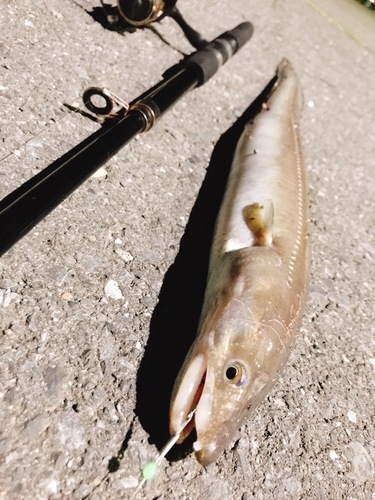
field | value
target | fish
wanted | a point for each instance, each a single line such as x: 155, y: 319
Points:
x: 257, y: 280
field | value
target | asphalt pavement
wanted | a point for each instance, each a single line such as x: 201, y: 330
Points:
x: 99, y: 302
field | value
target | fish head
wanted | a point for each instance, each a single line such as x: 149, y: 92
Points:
x: 221, y: 380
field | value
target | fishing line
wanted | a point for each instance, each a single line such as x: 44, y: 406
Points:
x: 150, y: 469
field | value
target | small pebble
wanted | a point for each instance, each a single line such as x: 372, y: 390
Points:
x: 90, y: 237
x: 126, y: 256
x: 129, y: 482
x: 101, y: 173
x: 352, y: 417
x: 362, y: 464
x: 54, y: 377
x: 89, y: 262
x: 333, y: 455
x: 293, y: 486
x: 36, y: 425
x: 112, y: 290
x: 56, y: 274
x: 6, y: 297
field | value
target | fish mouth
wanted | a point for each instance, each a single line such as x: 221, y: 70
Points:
x: 192, y: 395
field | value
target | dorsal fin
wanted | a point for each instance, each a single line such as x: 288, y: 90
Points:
x: 259, y: 219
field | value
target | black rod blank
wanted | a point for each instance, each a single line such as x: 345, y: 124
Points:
x: 22, y: 209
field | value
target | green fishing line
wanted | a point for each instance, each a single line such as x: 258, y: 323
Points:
x: 149, y: 470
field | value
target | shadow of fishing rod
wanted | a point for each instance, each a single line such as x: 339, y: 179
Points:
x: 175, y: 319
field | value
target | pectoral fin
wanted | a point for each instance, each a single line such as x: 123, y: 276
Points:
x: 259, y: 219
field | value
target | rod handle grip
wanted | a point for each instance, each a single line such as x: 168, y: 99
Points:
x: 216, y: 53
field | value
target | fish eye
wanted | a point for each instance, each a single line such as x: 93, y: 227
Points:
x: 235, y: 373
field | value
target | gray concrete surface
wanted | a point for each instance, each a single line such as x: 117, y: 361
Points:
x: 86, y: 366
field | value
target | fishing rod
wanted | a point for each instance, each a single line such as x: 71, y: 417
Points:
x: 22, y: 209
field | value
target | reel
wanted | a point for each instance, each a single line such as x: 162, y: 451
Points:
x: 144, y: 12
x: 140, y: 13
